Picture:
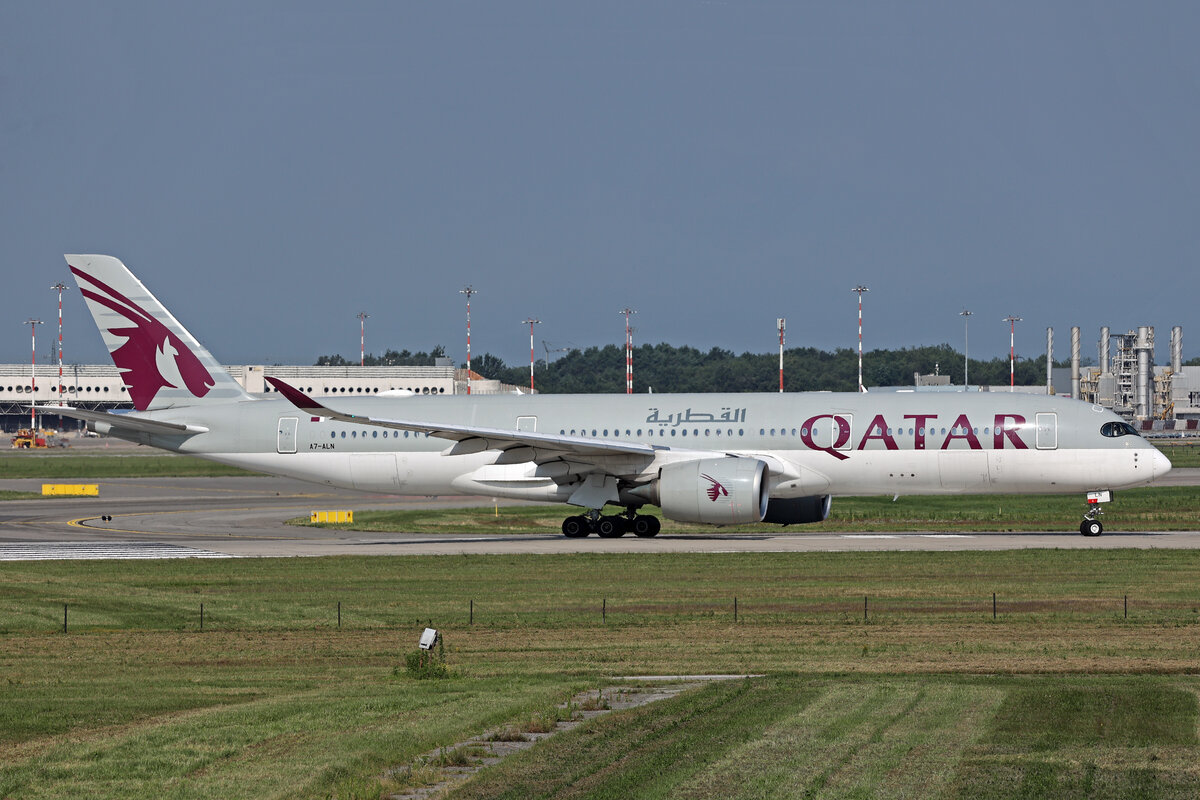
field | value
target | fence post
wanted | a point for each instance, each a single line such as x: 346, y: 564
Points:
x: 339, y: 615
x: 993, y: 605
x: 1126, y: 606
x: 202, y: 616
x: 64, y: 617
x: 604, y: 610
x: 472, y: 622
x: 864, y: 608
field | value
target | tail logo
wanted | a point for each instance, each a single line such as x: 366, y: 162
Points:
x: 715, y: 489
x: 151, y: 357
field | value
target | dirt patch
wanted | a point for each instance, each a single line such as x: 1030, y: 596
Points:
x: 441, y: 770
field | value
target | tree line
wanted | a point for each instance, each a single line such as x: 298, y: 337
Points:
x: 666, y: 368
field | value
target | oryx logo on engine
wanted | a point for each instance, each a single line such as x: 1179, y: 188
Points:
x: 715, y: 489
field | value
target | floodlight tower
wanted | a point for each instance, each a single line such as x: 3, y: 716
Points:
x: 468, y: 292
x: 966, y: 315
x: 531, y: 322
x: 33, y: 323
x: 1012, y: 350
x: 859, y: 290
x: 628, y: 350
x: 362, y: 338
x: 781, y: 323
x: 60, y: 287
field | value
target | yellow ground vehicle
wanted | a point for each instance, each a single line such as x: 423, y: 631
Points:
x: 27, y: 439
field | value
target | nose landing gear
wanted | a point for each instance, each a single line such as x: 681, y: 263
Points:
x: 1091, y: 525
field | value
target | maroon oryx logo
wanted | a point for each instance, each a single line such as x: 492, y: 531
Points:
x: 715, y: 488
x: 152, y: 357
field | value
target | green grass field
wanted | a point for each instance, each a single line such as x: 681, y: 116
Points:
x: 147, y: 464
x: 1060, y: 695
x: 1144, y: 509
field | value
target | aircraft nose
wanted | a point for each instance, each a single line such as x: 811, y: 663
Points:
x: 1160, y: 465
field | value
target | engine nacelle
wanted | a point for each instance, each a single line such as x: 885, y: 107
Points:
x: 798, y: 510
x: 714, y: 491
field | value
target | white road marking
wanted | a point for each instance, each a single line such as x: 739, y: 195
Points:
x: 49, y: 551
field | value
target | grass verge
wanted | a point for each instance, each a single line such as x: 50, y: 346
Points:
x: 152, y: 464
x: 931, y: 692
x: 1145, y: 509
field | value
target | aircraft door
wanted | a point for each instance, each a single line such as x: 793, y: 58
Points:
x: 834, y: 431
x: 528, y: 424
x: 286, y: 439
x: 1047, y: 431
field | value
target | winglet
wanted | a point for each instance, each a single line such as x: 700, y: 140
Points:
x: 299, y: 399
x: 308, y: 405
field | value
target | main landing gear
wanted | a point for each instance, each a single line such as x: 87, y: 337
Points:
x: 1091, y: 525
x: 611, y: 526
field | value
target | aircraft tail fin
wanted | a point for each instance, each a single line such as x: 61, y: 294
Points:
x: 160, y: 361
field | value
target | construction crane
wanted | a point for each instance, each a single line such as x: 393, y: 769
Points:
x: 546, y: 346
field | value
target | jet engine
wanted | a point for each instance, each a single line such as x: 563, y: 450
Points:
x: 798, y: 510
x: 714, y: 491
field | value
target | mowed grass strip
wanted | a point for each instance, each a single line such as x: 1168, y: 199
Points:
x: 1120, y: 737
x: 1146, y: 509
x: 643, y: 752
x: 151, y: 464
x: 889, y: 737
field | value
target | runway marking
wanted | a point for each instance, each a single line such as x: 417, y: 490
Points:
x: 906, y: 536
x: 61, y: 551
x: 80, y: 522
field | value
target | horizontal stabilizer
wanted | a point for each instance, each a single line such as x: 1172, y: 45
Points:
x: 104, y: 422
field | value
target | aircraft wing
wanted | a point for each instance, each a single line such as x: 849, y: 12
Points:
x: 126, y: 422
x: 474, y: 438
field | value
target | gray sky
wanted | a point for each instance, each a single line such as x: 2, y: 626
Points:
x: 271, y: 169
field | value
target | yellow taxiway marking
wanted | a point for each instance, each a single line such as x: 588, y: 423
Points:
x: 78, y: 522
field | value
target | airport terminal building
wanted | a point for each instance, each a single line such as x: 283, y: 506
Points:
x: 100, y: 387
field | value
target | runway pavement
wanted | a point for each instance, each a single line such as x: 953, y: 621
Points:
x: 213, y: 517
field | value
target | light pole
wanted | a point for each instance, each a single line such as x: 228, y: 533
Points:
x: 1012, y: 351
x: 628, y: 350
x: 60, y: 287
x: 531, y: 321
x: 33, y: 323
x: 468, y: 292
x: 859, y: 290
x: 362, y: 338
x: 966, y: 315
x: 781, y: 322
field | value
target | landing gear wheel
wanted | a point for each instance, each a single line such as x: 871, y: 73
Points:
x: 645, y: 526
x: 1091, y: 527
x: 576, y: 527
x: 611, y: 527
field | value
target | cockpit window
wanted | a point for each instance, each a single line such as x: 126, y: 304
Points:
x: 1117, y: 429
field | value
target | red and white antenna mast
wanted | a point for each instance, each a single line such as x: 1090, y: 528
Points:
x: 781, y: 323
x: 33, y: 323
x: 1012, y: 350
x: 60, y: 287
x: 468, y: 292
x: 859, y: 290
x: 531, y: 321
x: 362, y: 338
x: 628, y: 350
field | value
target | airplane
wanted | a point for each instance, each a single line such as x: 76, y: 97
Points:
x: 718, y: 459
